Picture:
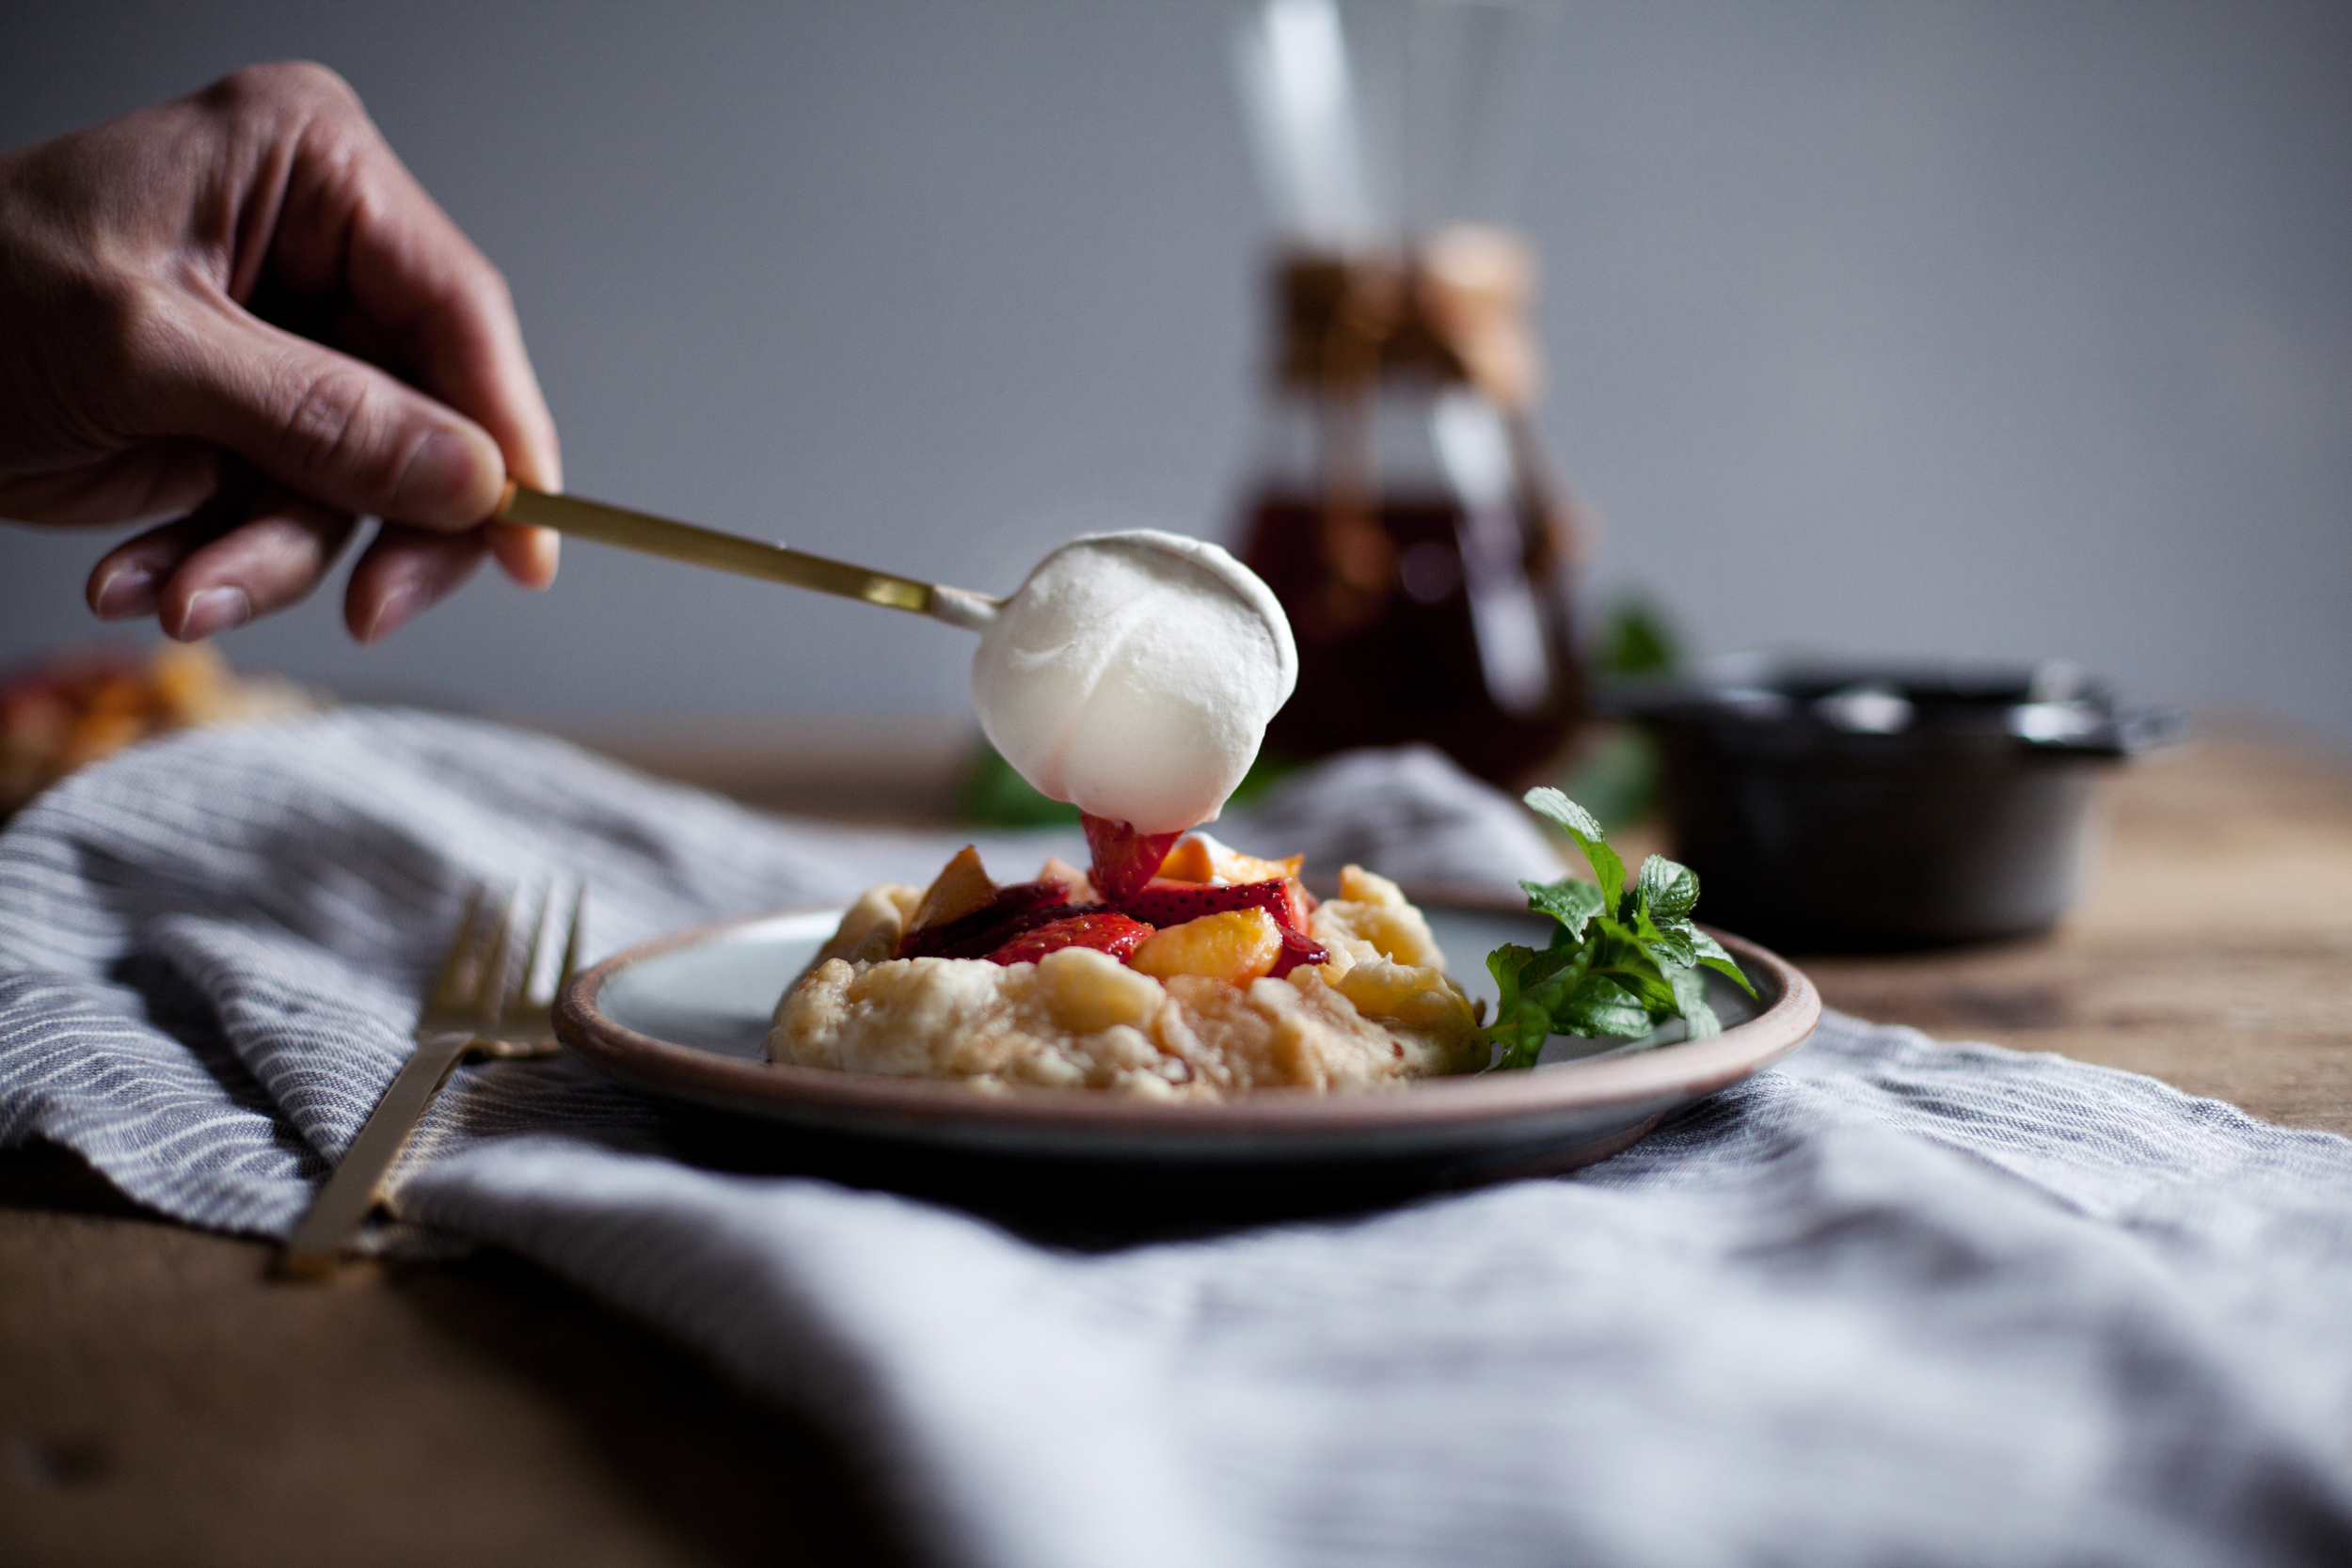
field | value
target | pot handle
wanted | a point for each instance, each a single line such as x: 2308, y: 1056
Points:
x: 2127, y: 733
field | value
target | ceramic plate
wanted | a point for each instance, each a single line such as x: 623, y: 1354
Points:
x: 684, y: 1017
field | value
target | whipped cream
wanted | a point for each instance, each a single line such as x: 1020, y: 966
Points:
x: 1134, y: 675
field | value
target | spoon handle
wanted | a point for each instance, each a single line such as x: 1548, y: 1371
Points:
x: 751, y: 558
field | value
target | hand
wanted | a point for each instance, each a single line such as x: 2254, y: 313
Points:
x: 241, y: 308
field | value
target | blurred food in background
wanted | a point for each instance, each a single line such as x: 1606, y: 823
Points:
x: 1401, y: 508
x: 80, y: 704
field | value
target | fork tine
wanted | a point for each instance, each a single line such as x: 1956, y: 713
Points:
x: 449, y: 984
x: 572, y: 937
x: 489, y: 992
x: 526, y: 989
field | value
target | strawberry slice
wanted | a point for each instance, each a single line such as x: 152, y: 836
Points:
x: 1105, y: 930
x: 1297, y: 950
x: 1023, y: 906
x: 1125, y: 858
x: 1162, y: 902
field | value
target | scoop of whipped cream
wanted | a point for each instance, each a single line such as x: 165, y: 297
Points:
x: 1133, y: 674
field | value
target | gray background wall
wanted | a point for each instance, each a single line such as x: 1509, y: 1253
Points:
x: 1979, y: 328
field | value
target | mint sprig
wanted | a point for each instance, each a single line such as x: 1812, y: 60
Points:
x: 1625, y: 956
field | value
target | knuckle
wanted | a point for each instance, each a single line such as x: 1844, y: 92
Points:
x: 321, y: 88
x: 325, y: 422
x: 282, y: 84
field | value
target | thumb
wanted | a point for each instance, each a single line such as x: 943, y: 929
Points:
x: 330, y: 427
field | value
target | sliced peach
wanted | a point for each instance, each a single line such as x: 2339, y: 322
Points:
x: 1198, y: 858
x: 1188, y: 861
x: 960, y: 888
x: 1081, y: 886
x: 1250, y: 868
x: 1088, y: 990
x: 1235, y: 945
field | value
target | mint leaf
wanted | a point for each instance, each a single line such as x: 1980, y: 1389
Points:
x: 1620, y: 955
x: 1622, y: 960
x: 1668, y: 890
x: 1669, y: 943
x: 1547, y: 966
x: 1689, y: 987
x: 1729, y: 970
x: 1571, y: 901
x: 1599, y: 1007
x: 1504, y: 963
x: 1713, y: 955
x: 1522, y: 1023
x: 1607, y: 870
x: 1552, y: 803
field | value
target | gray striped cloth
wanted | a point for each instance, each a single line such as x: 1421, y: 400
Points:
x: 1893, y: 1301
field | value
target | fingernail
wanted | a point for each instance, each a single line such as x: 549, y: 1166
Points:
x: 126, y: 591
x: 440, y: 480
x: 399, y: 605
x: 546, y: 551
x: 213, y: 611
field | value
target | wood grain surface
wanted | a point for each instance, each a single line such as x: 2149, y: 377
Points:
x: 162, y: 1401
x: 2214, y: 949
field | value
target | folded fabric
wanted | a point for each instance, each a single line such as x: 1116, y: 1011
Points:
x: 1891, y: 1302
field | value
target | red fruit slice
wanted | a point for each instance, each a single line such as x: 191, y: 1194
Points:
x: 1297, y: 950
x: 1022, y: 907
x: 1105, y: 931
x: 1162, y: 902
x: 1125, y: 858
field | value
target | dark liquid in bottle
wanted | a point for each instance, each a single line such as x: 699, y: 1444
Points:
x: 1419, y: 620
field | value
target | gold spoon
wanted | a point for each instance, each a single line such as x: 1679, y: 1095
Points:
x: 751, y: 558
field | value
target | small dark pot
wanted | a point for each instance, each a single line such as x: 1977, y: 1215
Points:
x: 1859, y: 806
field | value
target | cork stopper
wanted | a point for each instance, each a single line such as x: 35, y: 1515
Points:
x: 1456, y: 308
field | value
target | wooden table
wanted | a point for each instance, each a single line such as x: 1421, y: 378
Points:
x: 161, y: 1402
x: 2213, y: 950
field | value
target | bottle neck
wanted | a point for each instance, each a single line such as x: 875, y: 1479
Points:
x: 1453, y: 307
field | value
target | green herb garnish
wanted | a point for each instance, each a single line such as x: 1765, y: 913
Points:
x: 1625, y: 960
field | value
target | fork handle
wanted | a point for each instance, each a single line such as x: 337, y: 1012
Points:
x: 751, y: 558
x: 317, y: 1248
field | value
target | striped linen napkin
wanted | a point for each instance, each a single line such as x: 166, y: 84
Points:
x: 1893, y: 1301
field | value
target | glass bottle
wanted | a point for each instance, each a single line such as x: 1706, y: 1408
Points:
x: 1402, y: 512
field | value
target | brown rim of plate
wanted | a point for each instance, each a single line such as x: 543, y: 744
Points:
x: 1686, y: 1069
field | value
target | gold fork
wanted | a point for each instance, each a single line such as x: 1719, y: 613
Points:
x: 472, y: 1012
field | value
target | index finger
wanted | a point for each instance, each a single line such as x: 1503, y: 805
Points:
x: 452, y: 318
x: 354, y: 219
